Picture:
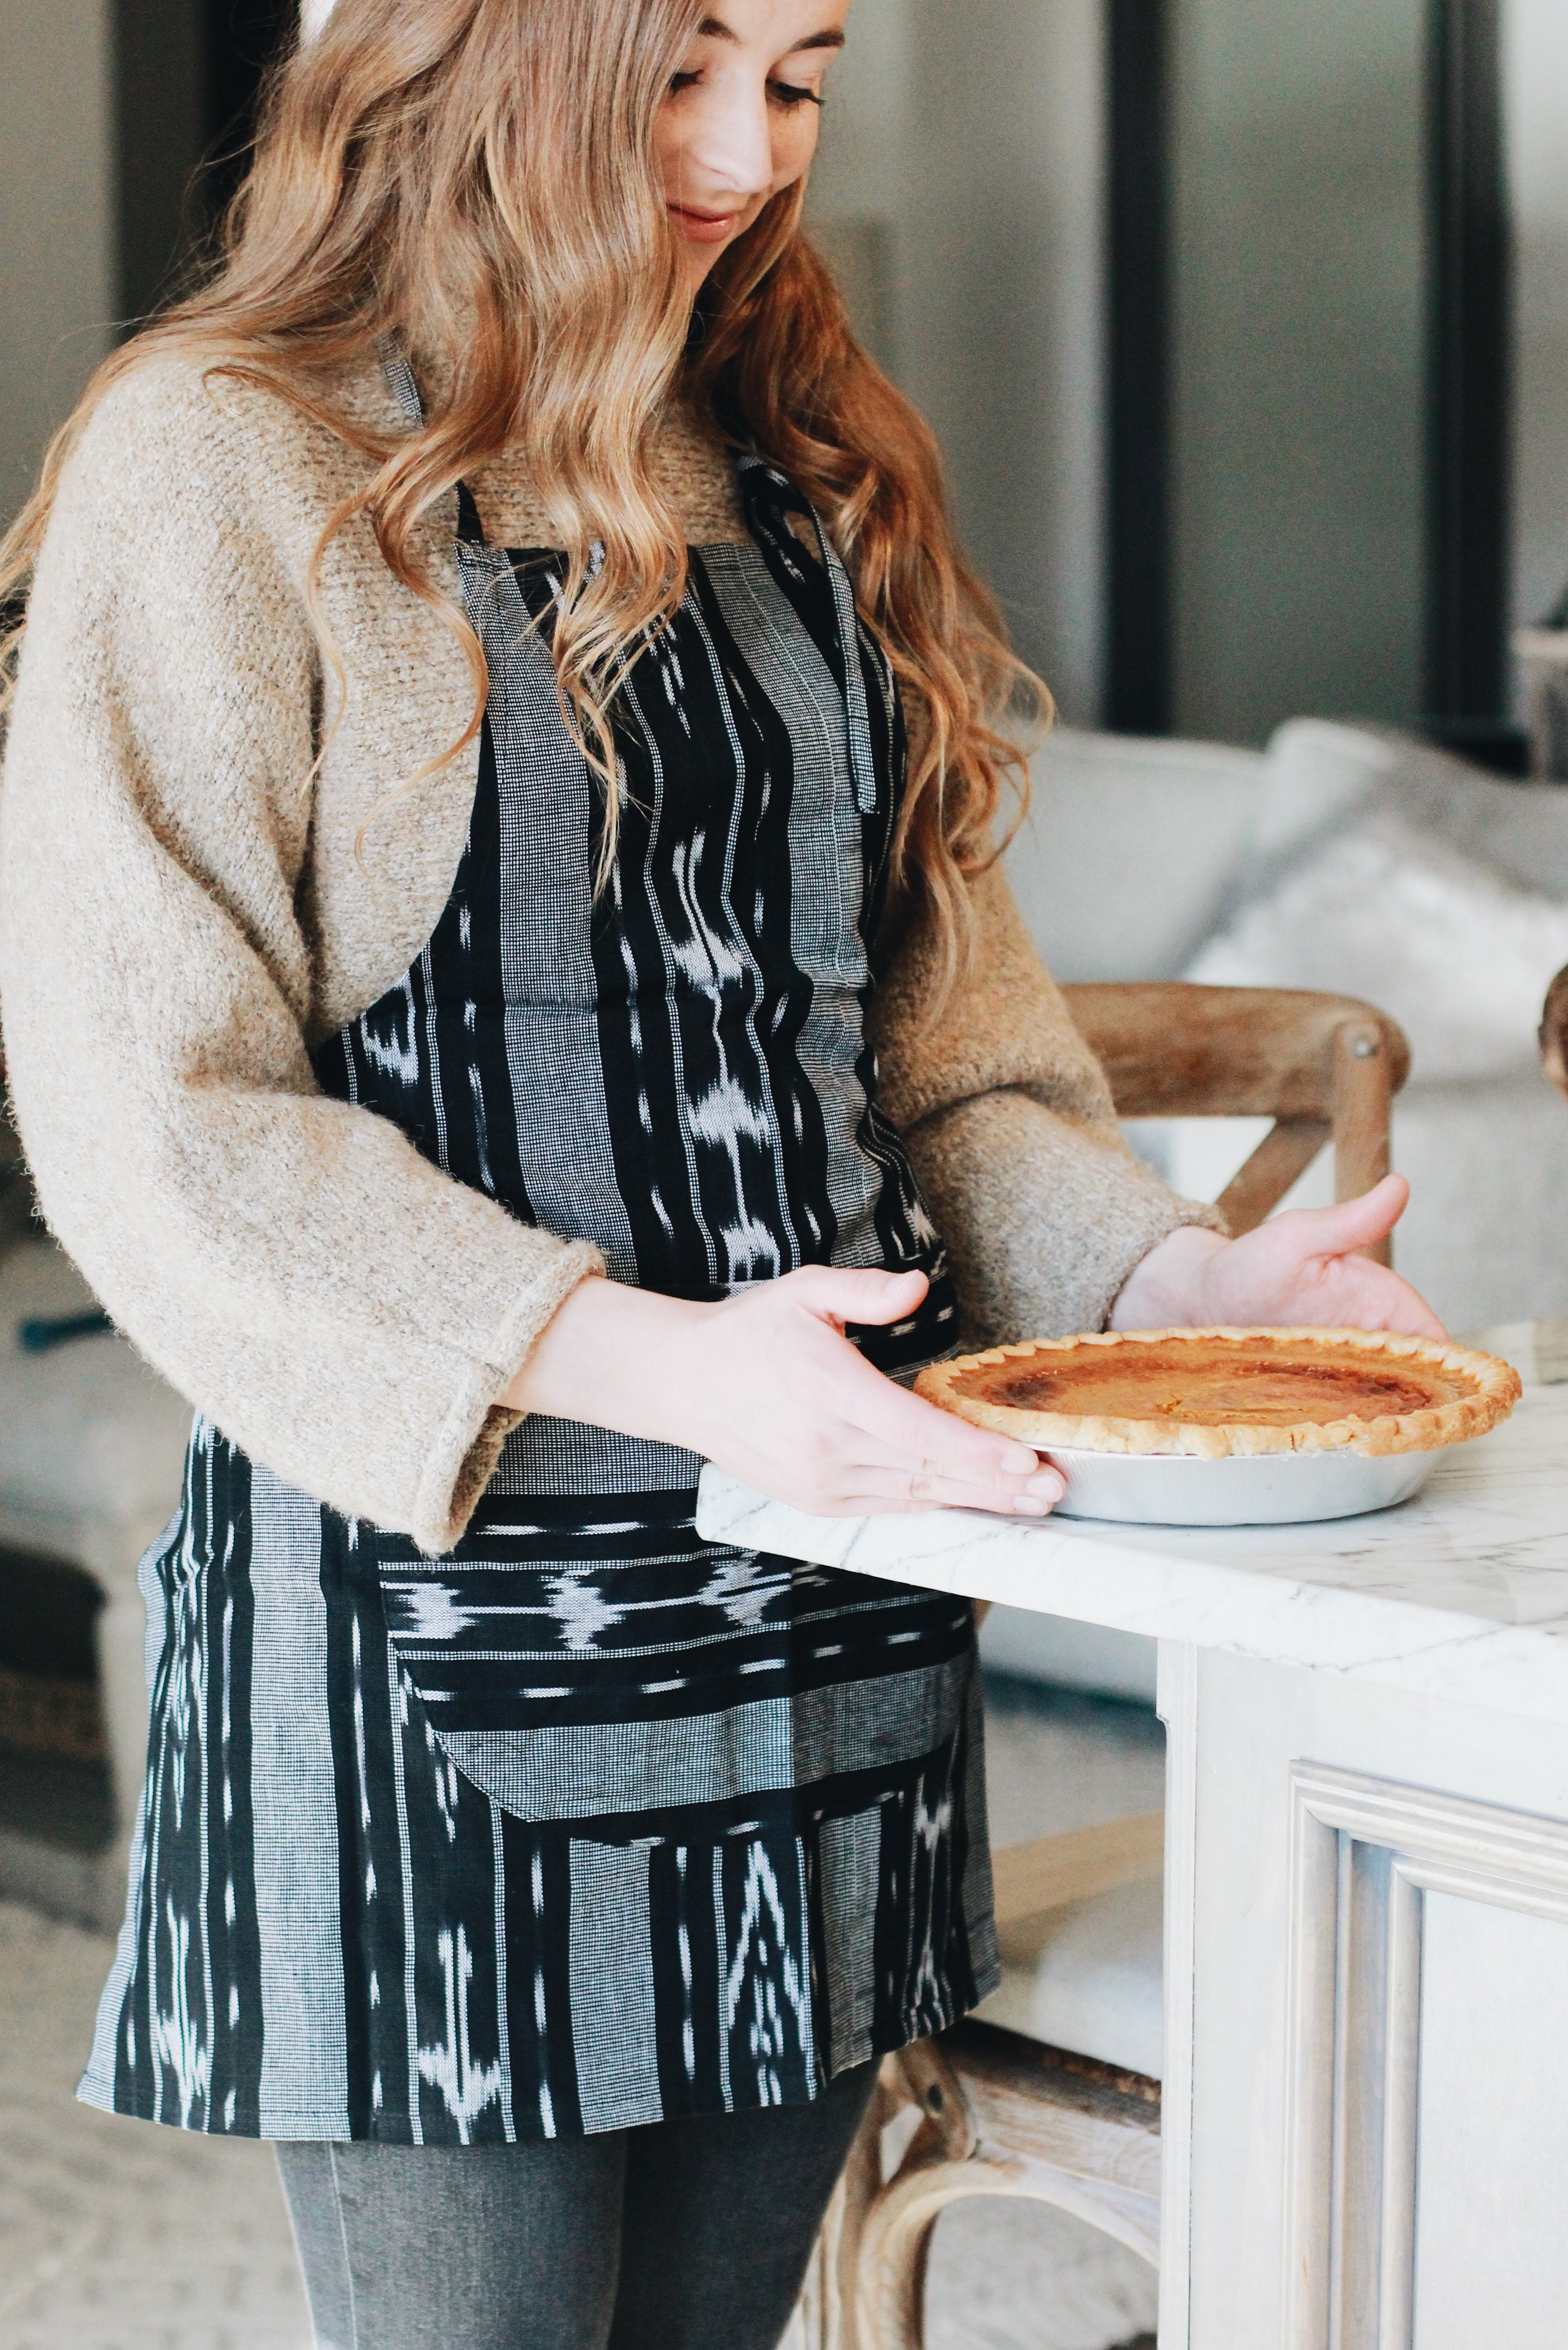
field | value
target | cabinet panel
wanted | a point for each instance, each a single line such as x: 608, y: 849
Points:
x: 1426, y: 2135
x: 1492, y: 2252
x: 1293, y: 2054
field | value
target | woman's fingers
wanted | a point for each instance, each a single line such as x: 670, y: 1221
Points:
x: 1020, y: 1468
x: 1353, y: 1224
x: 1307, y: 1266
x: 919, y: 1489
x: 876, y: 1446
x: 917, y: 1433
x: 839, y: 1296
x: 797, y: 1411
x: 1345, y: 1287
x: 911, y: 1453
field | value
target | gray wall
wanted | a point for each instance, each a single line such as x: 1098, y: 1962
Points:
x: 1537, y: 94
x: 55, y: 259
x: 972, y: 135
x: 1300, y: 342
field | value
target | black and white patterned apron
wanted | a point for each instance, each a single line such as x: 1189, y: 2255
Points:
x: 591, y: 1822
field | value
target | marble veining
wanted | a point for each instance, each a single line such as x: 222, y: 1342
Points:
x: 1461, y: 1593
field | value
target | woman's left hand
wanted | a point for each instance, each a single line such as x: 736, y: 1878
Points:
x: 1300, y: 1268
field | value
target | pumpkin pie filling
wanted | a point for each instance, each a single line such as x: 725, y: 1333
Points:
x: 1213, y: 1392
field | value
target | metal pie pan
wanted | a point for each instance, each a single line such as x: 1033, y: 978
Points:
x: 1262, y: 1489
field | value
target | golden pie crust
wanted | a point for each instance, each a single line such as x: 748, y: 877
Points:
x: 1215, y: 1394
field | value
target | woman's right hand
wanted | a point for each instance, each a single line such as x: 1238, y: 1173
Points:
x: 766, y: 1385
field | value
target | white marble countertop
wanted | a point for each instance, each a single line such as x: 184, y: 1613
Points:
x: 1461, y: 1593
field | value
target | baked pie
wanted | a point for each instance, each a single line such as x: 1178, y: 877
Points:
x: 1216, y: 1394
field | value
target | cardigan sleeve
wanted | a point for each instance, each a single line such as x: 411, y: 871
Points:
x: 328, y: 1298
x: 1012, y: 1135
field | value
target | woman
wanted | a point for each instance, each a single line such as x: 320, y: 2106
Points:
x: 498, y: 683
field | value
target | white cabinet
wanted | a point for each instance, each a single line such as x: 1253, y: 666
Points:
x: 1376, y: 2132
x: 1366, y: 2085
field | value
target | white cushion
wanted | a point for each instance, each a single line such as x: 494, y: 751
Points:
x: 1460, y: 955
x: 1320, y: 773
x: 86, y: 1431
x: 1096, y: 1985
x: 1130, y: 850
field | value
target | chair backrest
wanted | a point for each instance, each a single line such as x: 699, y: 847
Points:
x: 1324, y: 1068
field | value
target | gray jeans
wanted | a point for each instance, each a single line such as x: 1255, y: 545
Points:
x: 689, y: 2235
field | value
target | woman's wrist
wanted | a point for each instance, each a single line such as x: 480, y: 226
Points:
x: 1167, y: 1290
x: 607, y: 1356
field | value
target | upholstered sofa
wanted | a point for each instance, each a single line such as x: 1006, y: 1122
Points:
x: 1361, y: 862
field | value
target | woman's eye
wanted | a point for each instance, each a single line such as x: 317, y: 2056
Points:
x: 789, y: 96
x: 678, y: 82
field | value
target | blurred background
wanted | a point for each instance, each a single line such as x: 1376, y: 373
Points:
x: 1245, y: 329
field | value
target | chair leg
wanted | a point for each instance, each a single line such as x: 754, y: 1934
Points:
x: 857, y: 2191
x: 891, y: 2299
x: 826, y: 2317
x: 1076, y: 2143
x: 896, y: 2252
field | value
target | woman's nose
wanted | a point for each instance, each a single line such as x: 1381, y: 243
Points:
x: 731, y: 147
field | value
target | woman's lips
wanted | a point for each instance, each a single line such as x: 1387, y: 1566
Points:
x: 704, y: 228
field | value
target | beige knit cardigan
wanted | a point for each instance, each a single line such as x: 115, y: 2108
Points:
x: 183, y: 917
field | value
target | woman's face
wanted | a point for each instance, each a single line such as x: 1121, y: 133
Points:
x: 740, y: 120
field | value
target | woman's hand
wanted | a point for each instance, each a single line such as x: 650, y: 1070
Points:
x: 767, y: 1385
x: 1300, y: 1268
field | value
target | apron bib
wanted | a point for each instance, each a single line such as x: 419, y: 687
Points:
x: 590, y: 1824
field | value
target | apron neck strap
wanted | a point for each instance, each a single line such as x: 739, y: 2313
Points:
x: 765, y: 482
x: 405, y: 390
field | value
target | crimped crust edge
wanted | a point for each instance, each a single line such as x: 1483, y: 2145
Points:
x: 1431, y: 1430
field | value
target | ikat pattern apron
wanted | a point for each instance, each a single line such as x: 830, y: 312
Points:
x: 592, y: 1823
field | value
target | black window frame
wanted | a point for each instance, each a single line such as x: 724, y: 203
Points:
x: 1468, y: 372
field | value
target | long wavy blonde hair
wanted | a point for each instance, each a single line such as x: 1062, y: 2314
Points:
x: 473, y: 182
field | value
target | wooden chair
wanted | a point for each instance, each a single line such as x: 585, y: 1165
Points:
x: 1324, y: 1068
x: 994, y: 2113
